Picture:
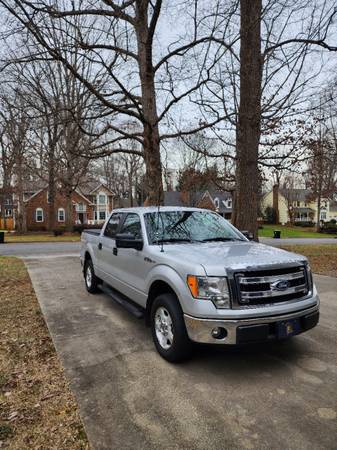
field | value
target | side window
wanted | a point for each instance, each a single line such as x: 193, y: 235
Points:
x: 132, y: 225
x: 112, y: 226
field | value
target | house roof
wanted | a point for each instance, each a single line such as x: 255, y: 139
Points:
x: 223, y: 197
x: 303, y: 210
x: 300, y: 195
x: 34, y: 186
x: 173, y: 198
x: 90, y: 187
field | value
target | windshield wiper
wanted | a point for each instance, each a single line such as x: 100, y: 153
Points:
x: 221, y: 239
x: 159, y: 241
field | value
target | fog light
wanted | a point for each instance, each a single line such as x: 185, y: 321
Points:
x: 219, y: 333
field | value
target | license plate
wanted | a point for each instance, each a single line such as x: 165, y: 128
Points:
x: 288, y: 328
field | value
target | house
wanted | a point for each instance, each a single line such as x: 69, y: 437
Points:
x: 91, y: 204
x: 219, y: 201
x: 101, y: 198
x: 223, y: 203
x: 297, y: 205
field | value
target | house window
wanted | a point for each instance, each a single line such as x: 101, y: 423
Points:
x: 229, y: 203
x: 8, y: 212
x: 39, y: 215
x: 8, y: 201
x: 60, y: 215
x: 102, y: 215
x: 102, y: 199
x: 323, y: 215
x: 216, y: 202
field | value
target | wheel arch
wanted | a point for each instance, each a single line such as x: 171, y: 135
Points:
x: 157, y: 288
x: 87, y: 256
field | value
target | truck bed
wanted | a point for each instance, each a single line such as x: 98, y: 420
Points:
x: 95, y: 231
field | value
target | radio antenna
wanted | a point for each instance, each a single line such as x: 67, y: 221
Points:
x: 162, y: 224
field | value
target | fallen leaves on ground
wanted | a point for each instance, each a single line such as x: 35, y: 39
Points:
x: 37, y: 408
x: 322, y: 257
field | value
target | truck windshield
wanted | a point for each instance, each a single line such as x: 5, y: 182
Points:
x: 189, y: 226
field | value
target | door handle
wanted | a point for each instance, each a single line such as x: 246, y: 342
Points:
x: 115, y: 251
x: 100, y: 246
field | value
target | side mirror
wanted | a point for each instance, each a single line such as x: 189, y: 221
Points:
x: 129, y: 241
x: 248, y: 235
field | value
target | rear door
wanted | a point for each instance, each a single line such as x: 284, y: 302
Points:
x: 107, y: 251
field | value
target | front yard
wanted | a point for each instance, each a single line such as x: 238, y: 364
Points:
x: 37, y: 408
x: 41, y: 237
x: 292, y: 232
x: 322, y: 257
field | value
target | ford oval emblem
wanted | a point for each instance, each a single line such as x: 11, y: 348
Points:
x: 280, y: 285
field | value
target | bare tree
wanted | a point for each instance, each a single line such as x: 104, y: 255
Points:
x: 14, y: 148
x: 264, y: 84
x: 121, y: 45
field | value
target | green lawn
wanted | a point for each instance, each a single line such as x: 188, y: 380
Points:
x: 40, y: 237
x: 292, y: 232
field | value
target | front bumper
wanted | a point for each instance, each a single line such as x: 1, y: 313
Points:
x: 244, y: 331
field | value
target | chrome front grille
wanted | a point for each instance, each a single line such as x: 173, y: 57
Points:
x: 271, y: 286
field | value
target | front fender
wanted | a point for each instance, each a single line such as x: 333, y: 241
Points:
x: 173, y: 279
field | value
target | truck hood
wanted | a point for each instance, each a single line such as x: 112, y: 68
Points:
x: 216, y: 257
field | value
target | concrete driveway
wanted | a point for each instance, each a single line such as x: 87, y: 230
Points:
x: 276, y: 396
x: 40, y: 249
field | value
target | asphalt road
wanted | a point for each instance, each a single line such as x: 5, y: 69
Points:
x: 296, y: 241
x: 41, y: 249
x: 53, y: 249
x: 275, y: 396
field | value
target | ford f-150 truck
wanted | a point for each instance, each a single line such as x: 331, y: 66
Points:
x: 196, y: 278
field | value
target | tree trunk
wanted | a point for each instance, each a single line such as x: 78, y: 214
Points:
x: 51, y: 186
x: 319, y: 201
x: 69, y: 210
x: 153, y: 177
x: 249, y: 119
x: 22, y: 220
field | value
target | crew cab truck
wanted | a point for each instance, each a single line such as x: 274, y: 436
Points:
x: 196, y: 278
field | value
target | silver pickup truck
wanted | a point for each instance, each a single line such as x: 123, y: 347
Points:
x: 196, y: 278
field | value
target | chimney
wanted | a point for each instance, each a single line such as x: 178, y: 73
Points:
x: 275, y: 202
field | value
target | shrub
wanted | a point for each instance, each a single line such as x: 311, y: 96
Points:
x: 304, y: 224
x: 329, y: 227
x: 270, y: 215
x: 79, y: 228
x: 60, y: 230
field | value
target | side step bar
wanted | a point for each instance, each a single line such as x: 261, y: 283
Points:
x: 122, y: 300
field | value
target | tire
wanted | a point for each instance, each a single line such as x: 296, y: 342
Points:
x: 90, y: 279
x: 168, y: 329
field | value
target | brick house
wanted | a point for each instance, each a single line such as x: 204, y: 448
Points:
x: 90, y: 205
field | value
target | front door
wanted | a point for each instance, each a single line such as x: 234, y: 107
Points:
x: 132, y: 269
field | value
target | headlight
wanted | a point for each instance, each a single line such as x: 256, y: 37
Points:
x: 210, y: 288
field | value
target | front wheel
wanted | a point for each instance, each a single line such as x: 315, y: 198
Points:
x: 91, y: 281
x: 168, y: 329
